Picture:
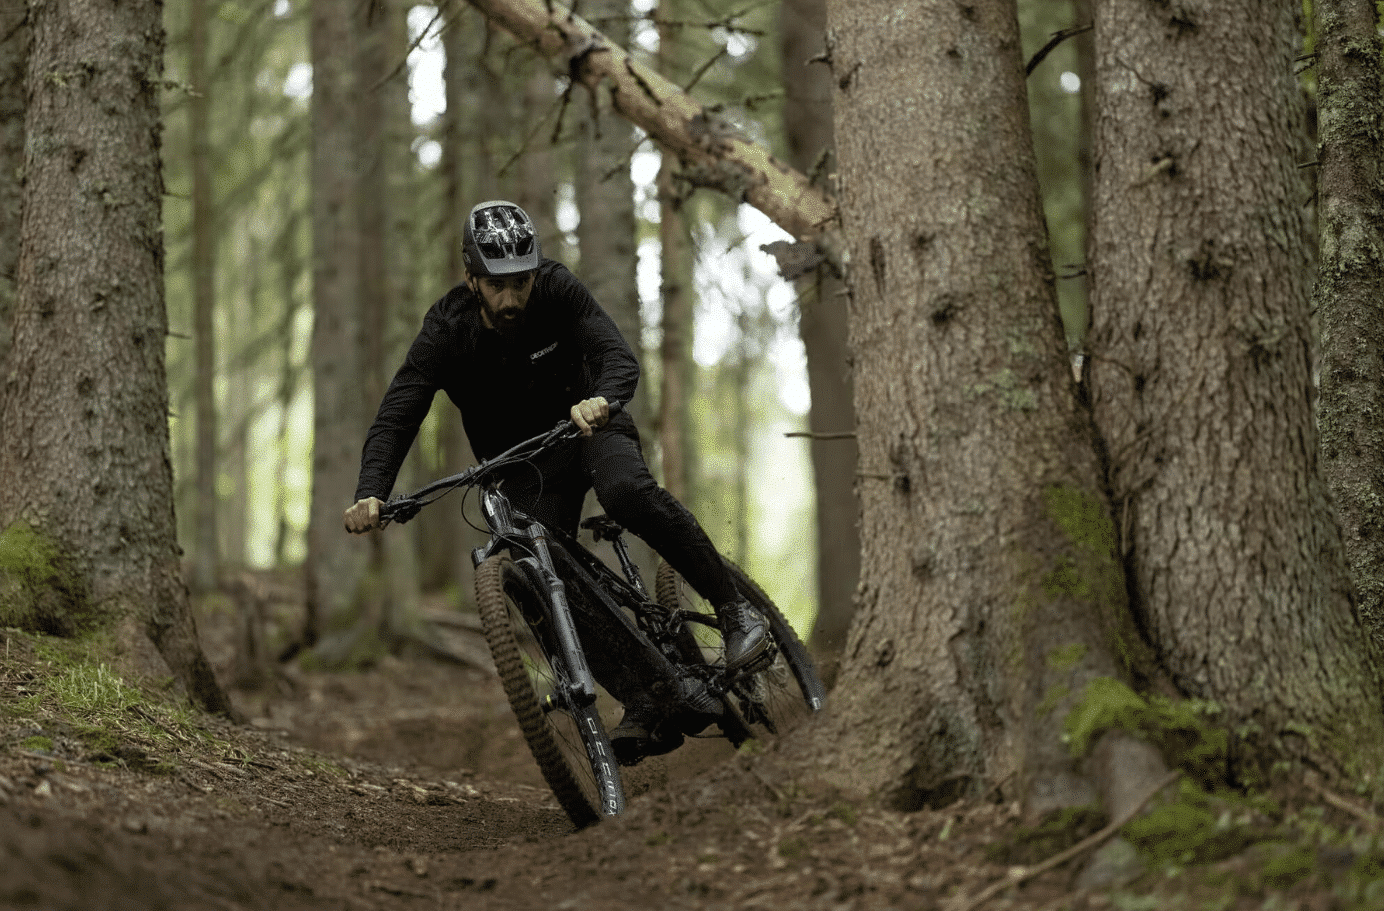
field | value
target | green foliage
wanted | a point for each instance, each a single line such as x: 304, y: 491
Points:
x: 1182, y: 730
x: 85, y: 709
x: 1196, y: 827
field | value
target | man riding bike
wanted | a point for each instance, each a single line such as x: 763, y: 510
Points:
x: 518, y: 346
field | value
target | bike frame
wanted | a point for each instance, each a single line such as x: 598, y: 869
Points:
x: 555, y: 562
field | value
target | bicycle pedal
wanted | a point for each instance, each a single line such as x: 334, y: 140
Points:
x: 755, y: 666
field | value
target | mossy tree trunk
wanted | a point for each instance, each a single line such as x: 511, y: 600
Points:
x: 991, y: 590
x: 1201, y: 258
x: 84, y: 448
x: 1349, y: 297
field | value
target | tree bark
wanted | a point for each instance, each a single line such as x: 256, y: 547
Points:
x: 1201, y: 375
x: 822, y: 325
x: 84, y: 456
x: 991, y: 592
x: 14, y: 61
x: 337, y: 562
x: 205, y: 563
x: 677, y: 289
x: 1349, y: 296
x: 676, y: 367
x: 605, y: 199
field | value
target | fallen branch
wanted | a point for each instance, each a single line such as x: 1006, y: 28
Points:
x: 1022, y: 875
x: 1340, y: 803
x: 712, y: 152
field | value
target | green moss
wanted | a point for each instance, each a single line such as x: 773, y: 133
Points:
x: 1181, y: 729
x: 37, y: 743
x: 1052, y: 699
x: 843, y: 812
x: 1195, y: 827
x: 1066, y: 657
x: 1089, y: 570
x: 1006, y: 386
x: 38, y: 591
x: 1289, y: 866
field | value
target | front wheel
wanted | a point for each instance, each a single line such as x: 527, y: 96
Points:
x: 567, y: 740
x: 770, y: 700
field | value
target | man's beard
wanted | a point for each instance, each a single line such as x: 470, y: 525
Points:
x: 507, y: 321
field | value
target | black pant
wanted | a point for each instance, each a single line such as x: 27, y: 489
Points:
x: 610, y: 463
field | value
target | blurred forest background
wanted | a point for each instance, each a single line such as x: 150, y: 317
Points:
x: 453, y: 111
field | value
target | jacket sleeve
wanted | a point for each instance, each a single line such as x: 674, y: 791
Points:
x: 610, y: 364
x: 402, y: 410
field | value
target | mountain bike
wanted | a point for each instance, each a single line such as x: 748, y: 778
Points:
x: 559, y: 621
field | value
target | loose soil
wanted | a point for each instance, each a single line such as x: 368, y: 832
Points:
x: 408, y: 786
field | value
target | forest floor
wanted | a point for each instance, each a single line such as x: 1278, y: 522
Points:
x: 408, y: 786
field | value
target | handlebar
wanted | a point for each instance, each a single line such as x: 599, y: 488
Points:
x: 403, y: 508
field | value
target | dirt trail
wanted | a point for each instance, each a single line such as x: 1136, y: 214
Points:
x: 409, y: 787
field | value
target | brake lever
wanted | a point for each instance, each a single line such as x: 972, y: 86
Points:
x: 401, y: 510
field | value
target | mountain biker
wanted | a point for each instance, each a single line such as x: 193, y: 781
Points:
x: 518, y: 346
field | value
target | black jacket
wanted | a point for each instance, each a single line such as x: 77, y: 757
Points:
x: 508, y: 389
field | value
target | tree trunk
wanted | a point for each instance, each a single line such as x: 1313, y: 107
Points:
x: 395, y: 139
x: 1349, y: 298
x: 823, y: 328
x: 1201, y: 374
x: 534, y: 183
x: 676, y: 327
x: 14, y: 61
x: 446, y: 554
x: 677, y: 295
x: 607, y: 231
x: 991, y: 592
x: 84, y: 456
x: 205, y: 563
x: 337, y: 562
x: 605, y: 199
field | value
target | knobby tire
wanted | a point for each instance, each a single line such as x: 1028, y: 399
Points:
x: 568, y: 742
x: 771, y: 700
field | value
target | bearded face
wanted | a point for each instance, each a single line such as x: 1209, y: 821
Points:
x: 503, y: 300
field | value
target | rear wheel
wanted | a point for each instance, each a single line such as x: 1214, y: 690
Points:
x: 771, y: 700
x: 568, y: 741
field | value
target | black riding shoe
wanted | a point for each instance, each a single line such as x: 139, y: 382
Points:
x: 744, y: 632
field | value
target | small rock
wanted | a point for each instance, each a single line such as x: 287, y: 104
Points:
x: 1114, y: 863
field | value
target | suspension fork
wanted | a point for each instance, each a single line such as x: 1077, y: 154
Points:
x: 580, y: 685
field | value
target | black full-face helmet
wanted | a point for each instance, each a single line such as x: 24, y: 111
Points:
x: 499, y: 239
